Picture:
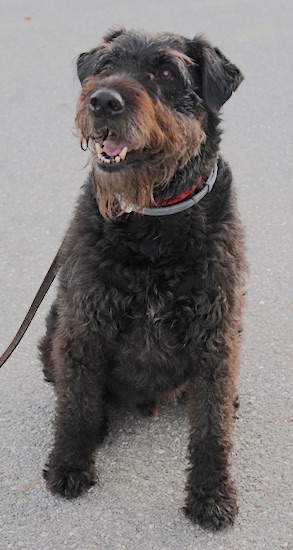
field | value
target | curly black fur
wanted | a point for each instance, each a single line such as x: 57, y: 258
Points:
x: 148, y: 304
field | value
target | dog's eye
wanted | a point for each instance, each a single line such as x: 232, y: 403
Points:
x: 166, y: 73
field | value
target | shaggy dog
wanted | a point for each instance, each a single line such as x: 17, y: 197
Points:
x: 151, y: 267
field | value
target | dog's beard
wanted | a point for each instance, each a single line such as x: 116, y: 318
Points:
x: 135, y: 183
x: 116, y: 191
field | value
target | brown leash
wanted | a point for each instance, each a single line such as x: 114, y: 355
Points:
x: 48, y: 280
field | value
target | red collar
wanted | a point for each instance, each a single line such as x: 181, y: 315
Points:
x: 181, y: 197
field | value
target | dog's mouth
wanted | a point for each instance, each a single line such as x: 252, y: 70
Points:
x: 114, y: 152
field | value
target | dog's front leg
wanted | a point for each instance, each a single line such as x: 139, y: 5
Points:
x: 211, y: 495
x: 80, y: 420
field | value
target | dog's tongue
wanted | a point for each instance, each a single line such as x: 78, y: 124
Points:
x: 113, y: 146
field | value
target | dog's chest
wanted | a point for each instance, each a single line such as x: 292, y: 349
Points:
x: 147, y: 290
x: 147, y: 312
x: 152, y: 330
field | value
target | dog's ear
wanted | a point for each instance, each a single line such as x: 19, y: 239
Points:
x: 86, y: 64
x: 219, y: 77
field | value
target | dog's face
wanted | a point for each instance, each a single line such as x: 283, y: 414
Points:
x: 143, y: 109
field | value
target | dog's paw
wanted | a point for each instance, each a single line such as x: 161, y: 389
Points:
x: 212, y: 512
x: 67, y: 481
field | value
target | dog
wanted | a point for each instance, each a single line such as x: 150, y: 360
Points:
x: 152, y: 266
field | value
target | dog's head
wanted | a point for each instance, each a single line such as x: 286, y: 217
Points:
x: 143, y: 110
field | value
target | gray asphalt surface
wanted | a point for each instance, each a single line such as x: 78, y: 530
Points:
x: 137, y: 503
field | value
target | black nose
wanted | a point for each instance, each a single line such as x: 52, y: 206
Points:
x: 107, y: 102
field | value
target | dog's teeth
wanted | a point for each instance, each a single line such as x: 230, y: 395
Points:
x: 109, y: 160
x: 99, y: 149
x: 123, y: 153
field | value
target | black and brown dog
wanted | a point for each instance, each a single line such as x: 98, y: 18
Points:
x: 152, y: 266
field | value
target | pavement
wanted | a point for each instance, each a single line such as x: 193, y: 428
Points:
x: 137, y: 502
